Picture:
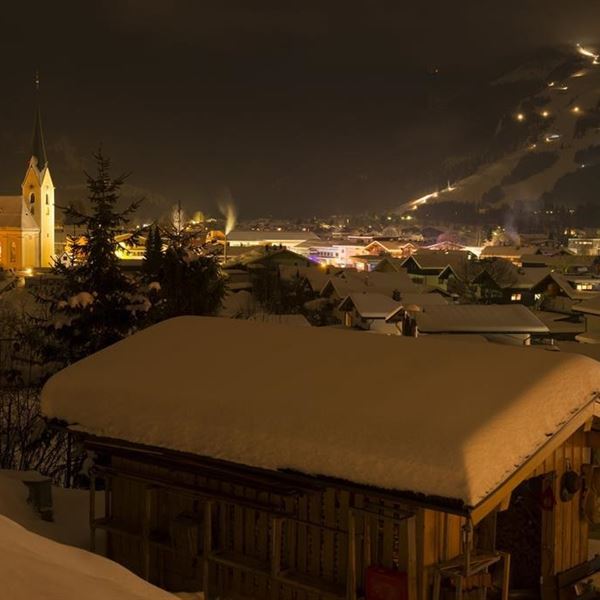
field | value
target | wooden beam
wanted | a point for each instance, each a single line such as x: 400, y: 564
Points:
x: 351, y: 572
x: 207, y: 549
x: 276, y: 547
x: 411, y: 534
x: 92, y: 511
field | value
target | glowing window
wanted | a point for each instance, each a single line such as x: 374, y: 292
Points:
x: 515, y: 297
x: 13, y: 252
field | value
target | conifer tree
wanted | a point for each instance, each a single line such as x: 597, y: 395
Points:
x: 190, y: 284
x: 96, y: 303
x: 153, y: 254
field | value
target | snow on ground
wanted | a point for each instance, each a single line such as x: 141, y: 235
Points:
x: 32, y: 566
x: 71, y: 510
x: 426, y: 415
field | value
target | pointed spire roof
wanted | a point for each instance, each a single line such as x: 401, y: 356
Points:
x: 38, y: 145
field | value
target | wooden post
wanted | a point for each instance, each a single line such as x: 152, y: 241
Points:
x: 351, y: 574
x: 92, y: 511
x: 437, y: 584
x: 505, y: 575
x: 207, y: 548
x: 146, y: 516
x: 468, y: 537
x: 276, y: 547
x: 368, y: 559
x: 411, y: 533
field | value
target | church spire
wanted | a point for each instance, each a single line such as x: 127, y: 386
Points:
x: 38, y: 145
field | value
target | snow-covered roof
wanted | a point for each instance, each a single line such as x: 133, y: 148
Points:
x: 479, y: 318
x: 35, y: 567
x: 589, y: 307
x: 270, y: 236
x: 369, y: 305
x: 424, y: 415
x: 507, y: 251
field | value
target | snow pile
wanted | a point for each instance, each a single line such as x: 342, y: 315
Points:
x: 34, y: 567
x: 425, y: 415
x: 71, y: 509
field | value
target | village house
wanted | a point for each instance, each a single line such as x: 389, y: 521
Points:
x: 560, y: 293
x: 360, y: 310
x: 434, y: 268
x: 360, y: 475
x: 509, y: 284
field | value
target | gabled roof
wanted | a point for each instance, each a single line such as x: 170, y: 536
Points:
x: 265, y: 236
x: 14, y: 214
x: 315, y: 276
x: 348, y: 281
x: 438, y: 259
x: 369, y: 305
x: 589, y: 307
x: 365, y: 426
x: 410, y: 301
x: 508, y: 251
x: 562, y: 282
x: 478, y: 318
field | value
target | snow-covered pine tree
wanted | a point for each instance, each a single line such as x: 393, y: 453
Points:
x: 96, y: 303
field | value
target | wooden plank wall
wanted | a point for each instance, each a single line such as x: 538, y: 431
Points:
x: 314, y: 540
x: 314, y: 543
x: 565, y: 531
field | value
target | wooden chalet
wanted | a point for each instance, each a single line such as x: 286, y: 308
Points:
x: 333, y: 465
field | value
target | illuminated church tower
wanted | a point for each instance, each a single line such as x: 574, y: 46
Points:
x: 38, y: 190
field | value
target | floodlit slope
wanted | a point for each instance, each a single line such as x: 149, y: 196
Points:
x: 564, y: 104
x: 33, y: 567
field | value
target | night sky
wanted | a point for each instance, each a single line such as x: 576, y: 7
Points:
x: 291, y: 108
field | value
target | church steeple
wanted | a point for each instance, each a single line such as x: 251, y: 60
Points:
x: 38, y: 145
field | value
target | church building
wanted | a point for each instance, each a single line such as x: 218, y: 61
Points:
x: 27, y: 220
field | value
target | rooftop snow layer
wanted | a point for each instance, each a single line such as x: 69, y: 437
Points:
x: 479, y: 318
x: 424, y: 415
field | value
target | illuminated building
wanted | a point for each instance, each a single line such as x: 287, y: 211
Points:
x: 27, y: 221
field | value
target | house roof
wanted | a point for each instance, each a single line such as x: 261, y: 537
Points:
x: 14, y: 213
x: 507, y: 251
x: 439, y: 259
x: 478, y: 318
x: 265, y: 236
x: 436, y: 417
x: 315, y: 276
x: 591, y: 306
x: 369, y: 305
x: 565, y: 285
x: 348, y: 281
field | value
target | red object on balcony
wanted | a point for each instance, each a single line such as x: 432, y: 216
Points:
x: 386, y: 584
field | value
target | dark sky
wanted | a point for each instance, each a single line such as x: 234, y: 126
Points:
x: 290, y: 108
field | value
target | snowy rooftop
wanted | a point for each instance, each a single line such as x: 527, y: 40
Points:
x: 479, y: 318
x: 424, y: 415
